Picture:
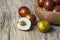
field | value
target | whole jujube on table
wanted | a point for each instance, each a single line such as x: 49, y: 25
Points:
x: 23, y: 11
x: 43, y: 25
x: 31, y: 17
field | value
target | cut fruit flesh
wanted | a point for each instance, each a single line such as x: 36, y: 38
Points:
x: 26, y: 23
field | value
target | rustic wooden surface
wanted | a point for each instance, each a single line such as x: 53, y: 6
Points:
x: 8, y: 20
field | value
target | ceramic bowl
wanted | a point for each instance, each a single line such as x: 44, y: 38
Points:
x: 43, y: 14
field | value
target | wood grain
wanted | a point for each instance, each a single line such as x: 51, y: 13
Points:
x: 9, y: 18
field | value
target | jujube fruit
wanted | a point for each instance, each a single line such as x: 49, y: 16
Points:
x: 41, y: 2
x: 31, y: 17
x: 23, y: 11
x: 43, y: 25
x: 48, y: 4
x: 56, y: 8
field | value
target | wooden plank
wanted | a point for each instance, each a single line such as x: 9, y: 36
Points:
x: 9, y: 17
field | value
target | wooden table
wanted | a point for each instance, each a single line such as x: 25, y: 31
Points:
x: 8, y: 21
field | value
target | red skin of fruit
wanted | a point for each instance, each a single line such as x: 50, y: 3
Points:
x: 57, y: 1
x: 48, y: 4
x: 31, y: 17
x: 23, y: 11
x: 41, y: 2
x: 56, y: 8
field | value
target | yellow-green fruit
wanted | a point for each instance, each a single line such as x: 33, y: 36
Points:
x: 43, y: 25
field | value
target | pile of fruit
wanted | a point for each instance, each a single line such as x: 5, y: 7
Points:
x: 50, y: 5
x: 27, y: 19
